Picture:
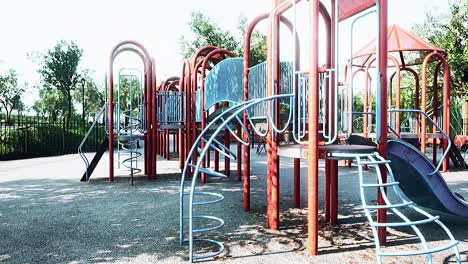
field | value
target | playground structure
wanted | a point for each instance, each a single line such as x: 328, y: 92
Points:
x: 219, y: 98
x: 402, y: 47
x: 170, y: 116
x: 311, y: 96
x: 131, y: 120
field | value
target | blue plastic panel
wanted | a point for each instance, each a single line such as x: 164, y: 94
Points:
x: 224, y: 83
x: 258, y: 85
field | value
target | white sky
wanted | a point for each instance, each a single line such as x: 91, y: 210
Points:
x: 97, y: 25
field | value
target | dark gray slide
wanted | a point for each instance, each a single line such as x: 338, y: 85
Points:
x: 412, y: 168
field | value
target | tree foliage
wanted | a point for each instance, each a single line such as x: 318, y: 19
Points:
x: 450, y: 32
x: 130, y: 84
x: 51, y: 104
x: 59, y: 69
x: 208, y: 33
x: 10, y: 94
x: 93, y: 96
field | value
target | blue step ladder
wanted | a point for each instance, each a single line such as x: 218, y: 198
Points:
x: 374, y: 159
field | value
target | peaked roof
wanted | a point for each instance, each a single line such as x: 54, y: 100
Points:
x: 349, y: 8
x: 398, y: 41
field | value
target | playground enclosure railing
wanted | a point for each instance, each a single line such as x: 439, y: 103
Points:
x: 30, y: 136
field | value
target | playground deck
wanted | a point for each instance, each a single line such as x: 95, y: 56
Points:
x: 48, y: 216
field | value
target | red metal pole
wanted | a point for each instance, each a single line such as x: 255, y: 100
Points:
x: 148, y: 96
x: 297, y: 183
x: 382, y: 146
x: 227, y: 160
x: 246, y: 169
x: 154, y: 121
x: 313, y: 110
x: 272, y: 157
x: 446, y: 109
x: 239, y: 154
x: 326, y: 207
x: 423, y: 102
x: 333, y: 192
x: 398, y: 95
x: 111, y: 117
x: 181, y: 130
x: 168, y: 152
x: 435, y: 105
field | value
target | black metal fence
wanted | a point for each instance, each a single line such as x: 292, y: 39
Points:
x: 28, y: 137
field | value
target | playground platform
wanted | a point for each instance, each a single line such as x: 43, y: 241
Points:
x: 48, y: 216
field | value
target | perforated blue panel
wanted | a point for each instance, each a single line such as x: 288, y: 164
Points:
x: 224, y: 82
x: 258, y: 85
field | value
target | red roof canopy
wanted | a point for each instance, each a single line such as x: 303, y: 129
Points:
x: 398, y: 41
x: 348, y: 8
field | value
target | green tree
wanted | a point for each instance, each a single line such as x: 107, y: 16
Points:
x: 450, y: 32
x: 258, y: 43
x: 208, y: 33
x: 93, y: 97
x: 59, y: 69
x: 127, y: 82
x: 10, y: 94
x: 51, y: 104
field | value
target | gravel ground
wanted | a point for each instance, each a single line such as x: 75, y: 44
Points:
x: 48, y: 216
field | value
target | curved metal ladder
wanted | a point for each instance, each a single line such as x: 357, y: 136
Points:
x: 374, y: 159
x: 205, y: 141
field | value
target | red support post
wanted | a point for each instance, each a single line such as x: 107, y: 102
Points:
x: 246, y: 168
x: 382, y: 146
x: 271, y: 140
x: 435, y: 107
x: 111, y: 117
x: 333, y: 192
x: 326, y: 207
x: 297, y: 183
x: 227, y: 160
x: 312, y: 157
x: 239, y: 154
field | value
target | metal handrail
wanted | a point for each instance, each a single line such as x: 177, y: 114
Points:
x: 218, y: 124
x: 80, y: 147
x: 374, y: 159
x: 434, y: 124
x: 350, y: 87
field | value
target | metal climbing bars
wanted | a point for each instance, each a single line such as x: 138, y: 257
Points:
x: 375, y: 160
x: 205, y: 141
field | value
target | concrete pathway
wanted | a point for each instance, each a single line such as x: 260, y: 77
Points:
x: 48, y: 216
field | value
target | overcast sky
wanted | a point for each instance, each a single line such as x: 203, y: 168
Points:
x: 97, y: 25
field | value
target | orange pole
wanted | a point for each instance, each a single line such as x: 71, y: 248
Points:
x: 272, y: 151
x: 382, y: 146
x: 312, y: 157
x: 435, y: 106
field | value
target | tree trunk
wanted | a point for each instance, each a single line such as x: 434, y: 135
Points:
x: 8, y: 117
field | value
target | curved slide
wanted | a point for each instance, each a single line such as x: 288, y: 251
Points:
x: 412, y: 168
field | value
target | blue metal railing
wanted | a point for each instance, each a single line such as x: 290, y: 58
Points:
x: 434, y: 124
x: 208, y: 136
x: 80, y: 147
